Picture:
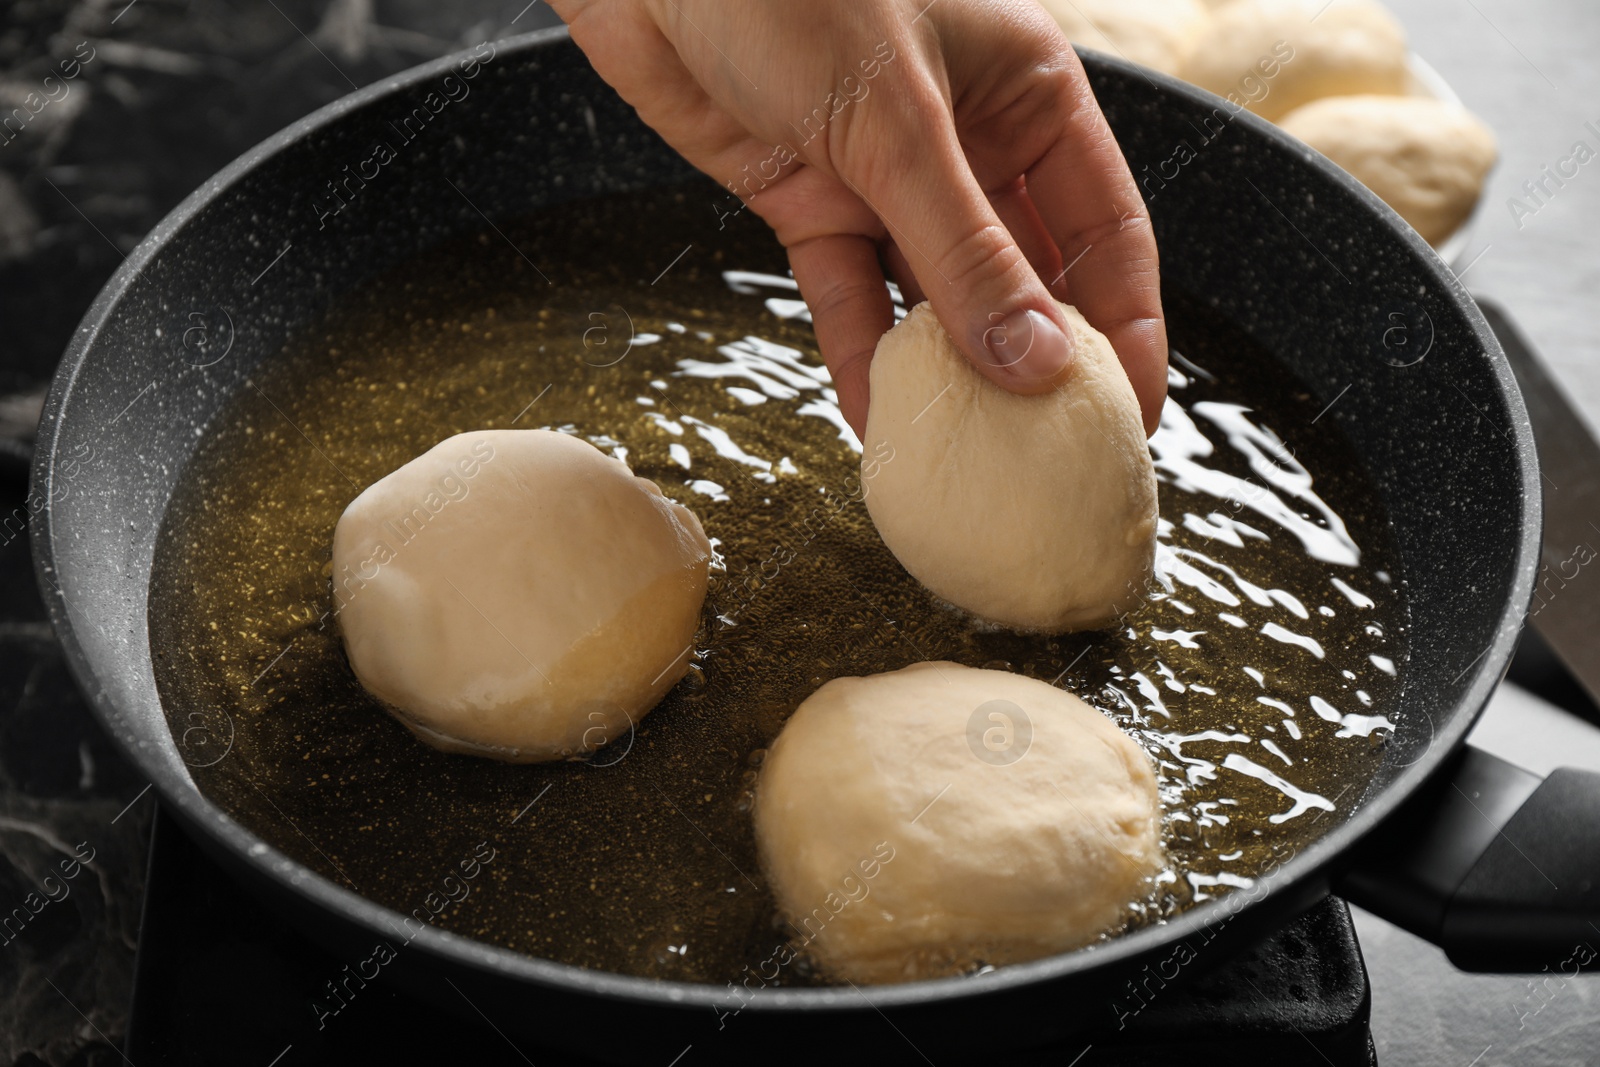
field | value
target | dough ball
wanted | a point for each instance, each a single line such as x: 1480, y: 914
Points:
x: 1274, y: 55
x: 518, y: 594
x: 1034, y: 512
x: 917, y: 823
x: 1156, y: 33
x: 1426, y: 158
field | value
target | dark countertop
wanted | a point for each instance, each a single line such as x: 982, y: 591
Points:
x: 166, y: 92
x: 161, y: 95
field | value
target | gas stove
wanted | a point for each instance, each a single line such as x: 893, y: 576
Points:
x: 220, y: 979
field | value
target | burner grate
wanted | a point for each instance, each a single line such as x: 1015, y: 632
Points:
x: 222, y: 980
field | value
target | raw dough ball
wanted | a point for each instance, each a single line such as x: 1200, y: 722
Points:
x: 915, y: 823
x: 1354, y: 46
x: 1156, y: 33
x: 518, y: 594
x: 1426, y: 158
x: 1034, y: 512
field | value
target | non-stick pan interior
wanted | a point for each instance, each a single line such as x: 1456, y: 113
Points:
x: 1292, y: 251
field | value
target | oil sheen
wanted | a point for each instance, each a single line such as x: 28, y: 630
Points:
x: 1262, y: 676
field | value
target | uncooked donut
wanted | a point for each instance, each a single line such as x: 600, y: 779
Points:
x: 1156, y: 33
x: 918, y: 823
x: 1425, y: 158
x: 1353, y: 46
x: 518, y: 594
x: 1034, y: 512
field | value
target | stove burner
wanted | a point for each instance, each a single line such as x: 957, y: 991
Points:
x: 222, y: 980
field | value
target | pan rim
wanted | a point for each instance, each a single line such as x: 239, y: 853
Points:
x: 1301, y: 871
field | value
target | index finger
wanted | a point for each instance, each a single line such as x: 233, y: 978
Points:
x: 1087, y: 198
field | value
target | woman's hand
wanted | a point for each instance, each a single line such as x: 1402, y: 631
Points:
x: 956, y: 139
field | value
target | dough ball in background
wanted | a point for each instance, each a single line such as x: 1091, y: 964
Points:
x: 916, y: 823
x: 1156, y: 33
x: 1351, y: 46
x: 1033, y: 512
x: 518, y: 594
x: 1425, y: 158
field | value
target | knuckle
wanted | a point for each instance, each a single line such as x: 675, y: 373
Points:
x: 892, y: 134
x: 850, y: 364
x: 982, y: 252
x: 837, y: 297
x: 1062, y: 78
x: 1132, y: 225
x: 1130, y: 229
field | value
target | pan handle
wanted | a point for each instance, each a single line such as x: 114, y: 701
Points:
x: 1493, y: 864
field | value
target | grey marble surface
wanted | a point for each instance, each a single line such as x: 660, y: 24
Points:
x: 1530, y: 68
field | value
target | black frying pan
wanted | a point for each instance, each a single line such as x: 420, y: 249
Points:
x: 1283, y: 244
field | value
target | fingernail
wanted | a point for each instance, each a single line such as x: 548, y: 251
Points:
x: 1028, y: 346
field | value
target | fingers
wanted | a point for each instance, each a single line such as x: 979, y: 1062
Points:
x: 910, y: 169
x: 1021, y: 219
x: 628, y: 50
x: 1043, y: 120
x: 899, y: 268
x: 1089, y: 203
x: 899, y: 164
x: 843, y: 286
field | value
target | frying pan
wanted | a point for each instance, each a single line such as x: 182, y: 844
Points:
x: 1276, y: 239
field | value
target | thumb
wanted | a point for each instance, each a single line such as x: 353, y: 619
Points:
x: 986, y: 294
